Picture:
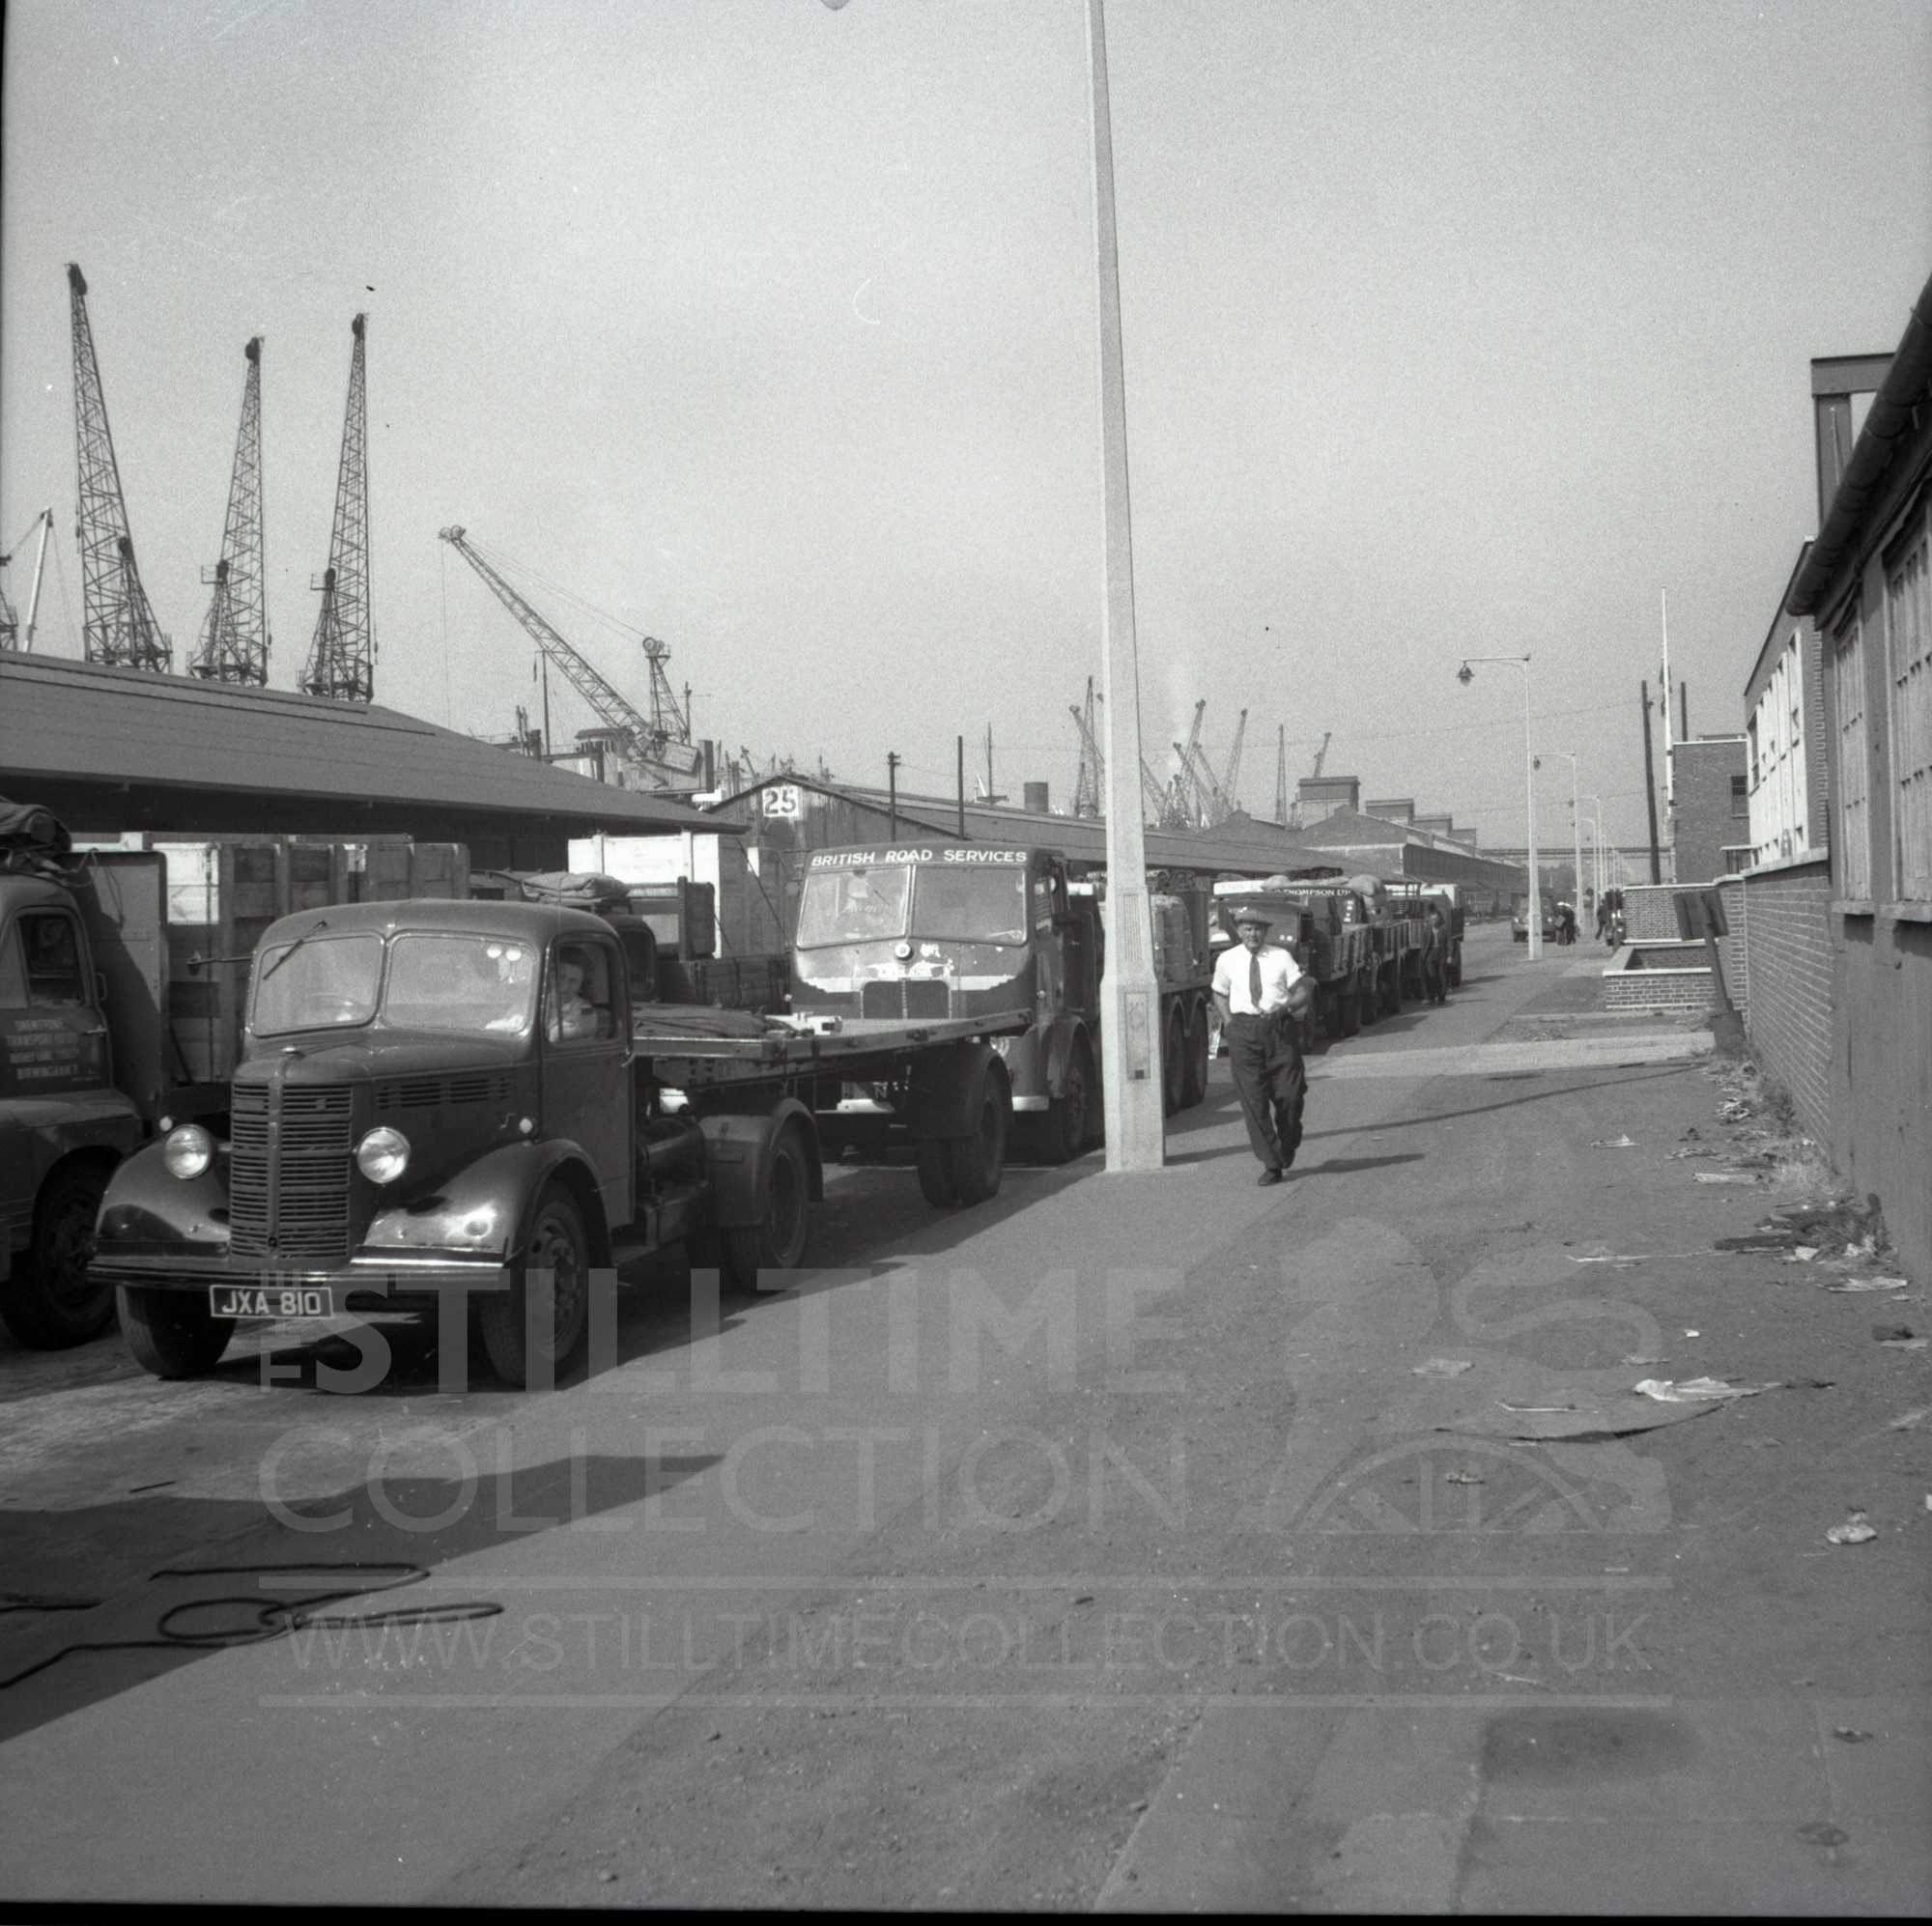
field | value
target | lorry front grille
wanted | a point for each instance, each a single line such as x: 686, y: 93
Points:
x: 905, y: 996
x: 291, y: 1202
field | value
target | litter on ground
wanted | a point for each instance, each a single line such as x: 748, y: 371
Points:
x: 1623, y: 1143
x: 1724, y: 1176
x: 1694, y: 1390
x: 1856, y: 1530
x: 1909, y: 1420
x: 1441, y: 1367
x: 1868, y: 1284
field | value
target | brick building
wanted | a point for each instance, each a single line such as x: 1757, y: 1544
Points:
x: 1710, y: 808
x: 1867, y: 585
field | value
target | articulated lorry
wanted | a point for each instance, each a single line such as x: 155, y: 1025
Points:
x: 459, y: 1100
x: 927, y: 930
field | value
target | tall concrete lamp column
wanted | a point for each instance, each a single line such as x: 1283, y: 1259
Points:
x: 1576, y: 829
x: 1465, y: 675
x: 1129, y: 1030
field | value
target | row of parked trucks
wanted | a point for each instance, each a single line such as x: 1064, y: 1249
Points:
x: 482, y: 1099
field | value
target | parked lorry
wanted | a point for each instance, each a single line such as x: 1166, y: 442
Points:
x: 1415, y: 898
x: 443, y: 1098
x: 933, y: 930
x: 119, y: 1019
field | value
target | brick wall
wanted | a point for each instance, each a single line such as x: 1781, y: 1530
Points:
x: 1658, y: 989
x: 1782, y: 919
x: 1703, y: 824
x: 1650, y: 914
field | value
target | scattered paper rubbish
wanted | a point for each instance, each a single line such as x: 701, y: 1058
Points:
x: 1723, y: 1176
x: 1802, y: 1254
x: 1693, y: 1334
x: 1868, y: 1284
x: 1754, y: 1243
x: 1689, y: 1150
x: 1609, y: 1258
x: 1638, y: 1359
x: 1909, y: 1420
x: 1851, y: 1734
x: 1856, y: 1530
x: 1905, y: 1344
x: 1821, y: 1833
x: 1441, y: 1367
x: 1625, y: 1141
x: 1737, y: 1110
x: 1461, y: 1478
x: 1694, y: 1390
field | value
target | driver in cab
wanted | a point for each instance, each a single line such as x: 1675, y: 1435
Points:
x: 575, y: 1015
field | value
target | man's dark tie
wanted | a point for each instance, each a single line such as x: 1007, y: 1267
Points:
x: 1255, y: 980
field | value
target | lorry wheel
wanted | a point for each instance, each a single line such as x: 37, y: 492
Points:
x: 1067, y: 1122
x: 561, y: 1302
x: 49, y: 1304
x: 1197, y: 1058
x: 935, y: 1173
x: 777, y: 1240
x: 1173, y: 1066
x: 980, y: 1161
x: 172, y: 1333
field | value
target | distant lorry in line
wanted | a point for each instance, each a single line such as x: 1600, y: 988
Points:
x: 934, y: 929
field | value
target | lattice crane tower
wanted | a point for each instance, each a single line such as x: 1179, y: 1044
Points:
x: 234, y: 643
x: 118, y: 621
x: 342, y: 657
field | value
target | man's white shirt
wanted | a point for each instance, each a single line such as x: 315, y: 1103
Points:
x: 1280, y: 972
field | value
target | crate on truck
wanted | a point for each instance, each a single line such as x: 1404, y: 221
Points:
x: 936, y: 928
x: 445, y: 1101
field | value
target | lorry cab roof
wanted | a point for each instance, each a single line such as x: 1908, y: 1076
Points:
x: 535, y: 923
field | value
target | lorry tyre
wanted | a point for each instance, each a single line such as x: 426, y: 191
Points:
x: 980, y: 1161
x: 48, y: 1304
x: 935, y: 1173
x: 1197, y: 1058
x: 777, y: 1240
x: 172, y: 1333
x: 1367, y: 996
x: 1068, y: 1123
x: 556, y: 1244
x: 1173, y: 1065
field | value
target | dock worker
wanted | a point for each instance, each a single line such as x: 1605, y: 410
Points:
x: 1261, y: 996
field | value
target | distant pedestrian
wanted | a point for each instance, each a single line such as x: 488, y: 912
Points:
x: 1567, y: 922
x: 1603, y: 917
x: 1261, y: 996
x: 1435, y: 954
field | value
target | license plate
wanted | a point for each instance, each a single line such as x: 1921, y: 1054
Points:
x: 279, y: 1300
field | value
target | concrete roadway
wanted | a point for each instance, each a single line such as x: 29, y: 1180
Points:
x: 1155, y: 1542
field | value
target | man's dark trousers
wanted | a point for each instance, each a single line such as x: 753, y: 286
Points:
x: 1265, y: 1054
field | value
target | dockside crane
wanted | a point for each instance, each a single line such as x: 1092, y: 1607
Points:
x: 1090, y: 784
x: 1281, y: 772
x: 1230, y: 775
x: 342, y: 656
x: 234, y: 634
x: 118, y: 623
x: 9, y: 616
x: 643, y: 737
x: 1321, y: 756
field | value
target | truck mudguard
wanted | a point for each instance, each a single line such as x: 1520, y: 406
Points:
x: 737, y: 1152
x: 481, y: 1210
x: 149, y: 1211
x: 944, y: 1096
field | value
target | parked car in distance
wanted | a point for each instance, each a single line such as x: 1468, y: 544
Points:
x: 1520, y: 918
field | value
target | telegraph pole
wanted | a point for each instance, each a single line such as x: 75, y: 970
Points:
x: 1649, y: 787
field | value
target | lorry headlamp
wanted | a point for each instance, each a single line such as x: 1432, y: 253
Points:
x: 187, y: 1152
x: 382, y: 1155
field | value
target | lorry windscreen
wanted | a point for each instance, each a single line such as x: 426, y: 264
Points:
x: 970, y: 904
x: 317, y: 983
x: 854, y: 905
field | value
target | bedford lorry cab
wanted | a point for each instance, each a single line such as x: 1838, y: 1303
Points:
x: 433, y: 1095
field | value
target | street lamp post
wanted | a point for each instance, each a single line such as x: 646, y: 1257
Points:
x: 1130, y: 1078
x: 1576, y: 825
x: 1465, y: 675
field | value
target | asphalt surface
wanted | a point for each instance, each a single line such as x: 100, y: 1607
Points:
x: 1155, y: 1542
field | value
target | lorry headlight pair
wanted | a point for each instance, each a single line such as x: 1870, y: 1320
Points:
x: 382, y: 1155
x: 187, y: 1151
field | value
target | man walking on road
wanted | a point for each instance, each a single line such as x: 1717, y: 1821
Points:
x: 1261, y: 996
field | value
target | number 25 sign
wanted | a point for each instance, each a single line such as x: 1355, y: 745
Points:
x: 781, y: 799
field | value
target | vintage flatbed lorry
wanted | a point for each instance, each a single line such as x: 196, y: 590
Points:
x: 937, y: 928
x: 441, y: 1097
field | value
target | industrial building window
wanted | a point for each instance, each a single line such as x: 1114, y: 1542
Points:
x: 1908, y: 600
x: 1848, y: 691
x: 1740, y: 797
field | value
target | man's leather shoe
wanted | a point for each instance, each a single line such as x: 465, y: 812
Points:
x: 1268, y: 1178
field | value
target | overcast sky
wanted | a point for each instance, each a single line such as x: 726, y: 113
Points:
x: 768, y: 329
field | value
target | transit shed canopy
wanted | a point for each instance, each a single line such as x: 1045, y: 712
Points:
x: 114, y: 749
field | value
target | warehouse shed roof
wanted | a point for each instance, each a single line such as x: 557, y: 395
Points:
x: 120, y: 748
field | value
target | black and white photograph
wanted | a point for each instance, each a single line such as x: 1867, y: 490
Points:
x: 966, y: 955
